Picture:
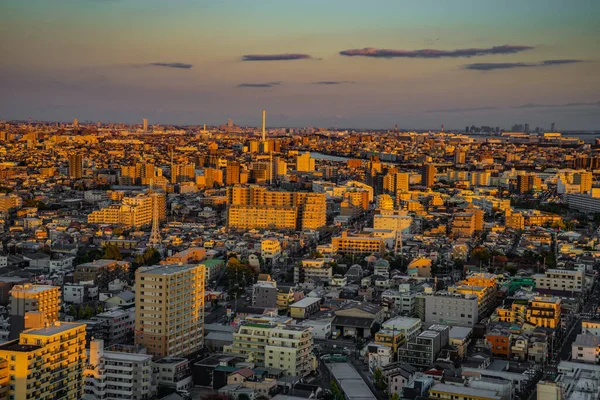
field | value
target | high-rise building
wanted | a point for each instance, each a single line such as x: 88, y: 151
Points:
x: 527, y: 183
x: 396, y: 182
x: 232, y: 173
x: 28, y: 298
x: 75, y: 166
x: 305, y: 163
x: 75, y: 123
x: 584, y: 179
x: 182, y: 173
x: 117, y: 374
x: 145, y: 125
x: 460, y: 157
x: 256, y: 207
x: 428, y: 175
x: 169, y: 309
x: 552, y: 127
x: 47, y: 362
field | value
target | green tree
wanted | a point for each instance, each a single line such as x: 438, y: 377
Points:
x: 395, y: 396
x: 379, y: 380
x: 239, y: 275
x: 112, y: 252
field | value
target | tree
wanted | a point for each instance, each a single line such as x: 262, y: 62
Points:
x: 395, y: 396
x: 379, y: 380
x: 238, y: 275
x: 112, y: 252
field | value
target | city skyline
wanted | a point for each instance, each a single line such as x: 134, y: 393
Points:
x: 344, y: 64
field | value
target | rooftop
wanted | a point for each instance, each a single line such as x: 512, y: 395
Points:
x: 56, y: 328
x: 166, y: 269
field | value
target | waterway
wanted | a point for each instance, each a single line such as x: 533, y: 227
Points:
x: 321, y: 156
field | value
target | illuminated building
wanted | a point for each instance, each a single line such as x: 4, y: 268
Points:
x: 10, y: 202
x: 256, y: 207
x: 357, y: 244
x: 232, y: 173
x: 539, y: 311
x: 134, y: 212
x: 463, y: 224
x: 182, y: 173
x: 169, y: 309
x: 47, y: 362
x: 305, y: 163
x: 454, y: 392
x: 29, y: 298
x: 428, y: 175
x: 75, y: 166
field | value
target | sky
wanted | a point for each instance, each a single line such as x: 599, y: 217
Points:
x: 334, y: 63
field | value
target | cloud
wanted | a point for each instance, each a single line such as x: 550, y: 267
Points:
x: 494, y: 66
x: 177, y: 65
x: 275, y: 57
x: 565, y: 105
x: 459, y: 110
x: 432, y: 53
x: 259, y: 85
x: 332, y: 82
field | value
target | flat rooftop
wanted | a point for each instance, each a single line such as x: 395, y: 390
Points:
x: 16, y: 347
x: 166, y: 269
x: 53, y: 329
x: 350, y: 381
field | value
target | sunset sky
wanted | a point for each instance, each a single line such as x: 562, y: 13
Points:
x: 345, y: 63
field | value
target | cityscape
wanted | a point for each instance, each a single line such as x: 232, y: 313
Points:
x: 259, y: 221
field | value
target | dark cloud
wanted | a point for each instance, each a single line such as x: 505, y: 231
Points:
x: 171, y: 65
x: 565, y: 105
x: 259, y: 85
x: 275, y: 57
x: 494, y: 66
x: 332, y: 82
x: 432, y: 53
x: 459, y: 110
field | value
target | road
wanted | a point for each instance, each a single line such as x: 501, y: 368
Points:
x: 590, y: 306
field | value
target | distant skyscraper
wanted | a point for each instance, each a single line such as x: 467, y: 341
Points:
x: 428, y: 175
x: 526, y: 128
x: 552, y: 127
x: 305, y: 163
x: 75, y: 166
x: 75, y: 123
x: 460, y: 157
x: 229, y: 123
x: 145, y: 123
x: 232, y: 173
x: 264, y: 125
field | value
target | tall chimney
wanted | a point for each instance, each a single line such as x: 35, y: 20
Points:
x: 264, y: 120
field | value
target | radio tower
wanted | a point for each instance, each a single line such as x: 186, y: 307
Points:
x: 264, y: 122
x: 155, y: 238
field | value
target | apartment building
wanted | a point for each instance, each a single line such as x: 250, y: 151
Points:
x: 392, y: 220
x: 133, y: 212
x: 561, y: 280
x: 169, y: 309
x: 422, y: 351
x: 357, y: 244
x: 46, y: 362
x: 454, y: 392
x: 117, y: 374
x: 453, y: 309
x: 27, y: 298
x: 484, y: 286
x: 270, y: 249
x: 10, y: 202
x: 463, y: 224
x: 313, y: 271
x: 269, y: 345
x: 256, y: 207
